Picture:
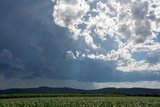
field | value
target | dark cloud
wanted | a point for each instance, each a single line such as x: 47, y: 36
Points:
x: 28, y: 33
x: 5, y: 59
x: 8, y: 66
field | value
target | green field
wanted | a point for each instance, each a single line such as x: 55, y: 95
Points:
x: 9, y: 96
x: 82, y: 102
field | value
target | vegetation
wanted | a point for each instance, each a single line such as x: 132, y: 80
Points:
x: 9, y: 96
x: 82, y: 102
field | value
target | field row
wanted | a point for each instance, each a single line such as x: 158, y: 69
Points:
x: 82, y: 102
x: 9, y: 96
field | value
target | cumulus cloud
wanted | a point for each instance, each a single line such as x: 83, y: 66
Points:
x: 69, y: 13
x: 139, y: 66
x: 132, y: 24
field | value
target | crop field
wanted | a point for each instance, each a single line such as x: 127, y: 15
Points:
x: 82, y: 102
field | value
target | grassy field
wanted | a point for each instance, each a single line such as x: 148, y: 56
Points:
x: 10, y: 96
x: 118, y: 101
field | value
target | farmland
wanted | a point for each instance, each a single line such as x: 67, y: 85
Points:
x: 112, y: 101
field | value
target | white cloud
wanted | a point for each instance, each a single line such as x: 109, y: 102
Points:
x: 69, y: 13
x: 139, y: 66
x: 89, y: 40
x: 70, y: 55
x: 53, y: 0
x: 130, y: 23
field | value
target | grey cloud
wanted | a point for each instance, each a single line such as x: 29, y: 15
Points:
x: 18, y: 65
x: 142, y: 30
x: 125, y: 30
x: 139, y: 9
x: 10, y: 66
x: 154, y: 57
x: 142, y: 24
x: 5, y: 59
x: 125, y: 1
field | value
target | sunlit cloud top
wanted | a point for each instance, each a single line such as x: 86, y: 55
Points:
x: 122, y: 31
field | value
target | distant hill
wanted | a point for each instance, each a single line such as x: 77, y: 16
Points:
x: 49, y: 90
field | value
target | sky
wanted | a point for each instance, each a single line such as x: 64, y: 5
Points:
x: 84, y: 44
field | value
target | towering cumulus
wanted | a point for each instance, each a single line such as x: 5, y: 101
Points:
x: 119, y: 31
